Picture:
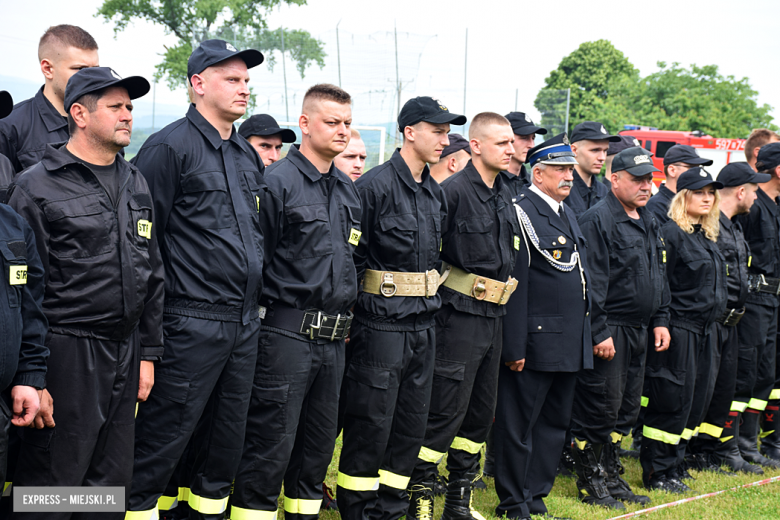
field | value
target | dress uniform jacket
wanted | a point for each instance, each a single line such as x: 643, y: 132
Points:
x: 32, y: 125
x: 659, y: 204
x: 583, y: 197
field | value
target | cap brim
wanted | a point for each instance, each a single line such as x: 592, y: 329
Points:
x: 528, y: 130
x: 445, y: 117
x: 702, y: 183
x: 759, y: 178
x: 641, y: 170
x: 6, y: 104
x: 136, y: 86
x: 252, y: 57
x: 558, y: 161
x: 698, y: 161
x: 597, y: 137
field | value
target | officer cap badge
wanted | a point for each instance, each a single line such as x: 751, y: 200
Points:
x: 703, y: 173
x: 641, y: 159
x: 603, y: 130
x: 562, y: 239
x: 230, y: 47
x: 566, y: 139
x: 557, y: 254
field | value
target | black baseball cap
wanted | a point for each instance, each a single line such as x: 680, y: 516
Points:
x: 92, y: 79
x: 626, y: 141
x: 685, y: 154
x: 635, y: 160
x: 212, y: 52
x: 6, y: 103
x: 768, y: 157
x: 457, y: 142
x: 592, y: 131
x: 522, y: 124
x: 696, y: 178
x: 739, y: 173
x: 265, y: 125
x: 427, y: 109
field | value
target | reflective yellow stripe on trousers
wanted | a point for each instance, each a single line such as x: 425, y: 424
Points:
x: 239, y: 513
x: 208, y: 506
x: 738, y: 406
x: 660, y: 435
x: 393, y: 480
x: 302, y: 506
x: 710, y: 429
x: 428, y: 455
x: 462, y: 443
x: 757, y: 404
x: 775, y: 395
x: 166, y: 503
x: 148, y: 514
x: 357, y: 483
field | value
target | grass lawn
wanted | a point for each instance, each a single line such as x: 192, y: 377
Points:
x: 756, y: 503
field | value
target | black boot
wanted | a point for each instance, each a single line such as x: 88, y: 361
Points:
x: 616, y: 485
x: 420, y: 502
x: 591, y: 476
x: 727, y: 452
x: 748, y: 442
x: 566, y: 463
x: 457, y: 500
x: 770, y: 442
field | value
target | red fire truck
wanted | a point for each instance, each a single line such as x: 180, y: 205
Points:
x: 721, y: 151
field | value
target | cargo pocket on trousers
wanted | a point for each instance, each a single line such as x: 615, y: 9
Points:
x: 447, y: 379
x: 366, y: 387
x: 665, y: 389
x: 268, y: 409
x: 163, y: 412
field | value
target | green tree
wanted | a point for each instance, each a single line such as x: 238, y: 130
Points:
x: 193, y: 21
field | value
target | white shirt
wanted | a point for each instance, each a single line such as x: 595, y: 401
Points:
x: 554, y: 204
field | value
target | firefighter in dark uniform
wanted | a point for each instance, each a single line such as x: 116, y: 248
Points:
x: 23, y: 374
x: 626, y: 141
x: 7, y: 169
x: 716, y: 442
x: 387, y: 382
x: 311, y: 222
x: 758, y: 329
x: 480, y: 238
x: 589, y: 142
x: 206, y: 182
x: 629, y: 301
x: 547, y: 337
x: 678, y: 159
x: 679, y: 381
x: 525, y: 132
x: 63, y: 50
x: 453, y: 158
x: 91, y: 212
x: 264, y: 134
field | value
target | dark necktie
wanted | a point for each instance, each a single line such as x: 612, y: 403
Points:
x: 564, y: 219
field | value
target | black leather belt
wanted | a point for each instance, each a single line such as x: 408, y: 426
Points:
x: 312, y: 323
x: 762, y: 284
x: 731, y: 317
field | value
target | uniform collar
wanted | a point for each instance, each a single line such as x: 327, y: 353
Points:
x: 55, y: 157
x: 405, y: 173
x: 521, y: 176
x: 51, y: 118
x: 307, y: 168
x: 666, y: 192
x: 207, y: 129
x: 483, y: 192
x: 725, y: 221
x: 580, y: 183
x: 619, y: 212
x: 554, y: 204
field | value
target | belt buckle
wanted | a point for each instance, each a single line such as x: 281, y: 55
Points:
x: 388, y: 287
x: 335, y: 326
x: 479, y: 289
x: 431, y: 279
x: 313, y: 327
x: 509, y: 287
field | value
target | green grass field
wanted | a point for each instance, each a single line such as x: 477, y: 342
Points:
x: 756, y: 503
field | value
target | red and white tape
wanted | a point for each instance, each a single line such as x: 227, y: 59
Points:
x: 691, y: 499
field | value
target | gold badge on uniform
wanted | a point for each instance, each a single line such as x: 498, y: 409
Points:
x: 354, y: 236
x: 557, y: 254
x: 562, y: 239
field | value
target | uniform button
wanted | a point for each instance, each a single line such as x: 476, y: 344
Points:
x: 539, y: 327
x: 587, y: 314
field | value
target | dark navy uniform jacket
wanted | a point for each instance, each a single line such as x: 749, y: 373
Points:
x: 697, y: 277
x: 401, y: 224
x: 206, y: 194
x: 311, y: 223
x: 515, y: 183
x: 762, y: 232
x: 626, y: 266
x: 101, y: 262
x: 32, y: 125
x: 547, y: 321
x: 7, y: 173
x: 480, y: 235
x: 23, y: 325
x: 583, y: 197
x: 736, y: 252
x: 659, y: 204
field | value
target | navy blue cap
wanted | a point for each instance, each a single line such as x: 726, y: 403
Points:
x: 739, y: 173
x: 212, y: 52
x: 635, y: 160
x: 683, y: 153
x: 265, y: 125
x: 592, y: 131
x: 768, y: 157
x: 556, y: 150
x: 626, y: 141
x: 696, y: 178
x: 92, y: 79
x: 6, y: 103
x: 457, y: 142
x: 427, y: 109
x: 522, y: 124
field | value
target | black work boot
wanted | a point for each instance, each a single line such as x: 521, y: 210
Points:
x: 727, y: 452
x: 420, y: 502
x: 566, y: 463
x: 748, y: 442
x: 661, y: 482
x: 591, y: 476
x: 770, y: 442
x: 616, y: 485
x: 457, y: 500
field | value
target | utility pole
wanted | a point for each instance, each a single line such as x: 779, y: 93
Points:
x: 568, y: 101
x: 397, y: 79
x: 516, y: 99
x: 284, y: 73
x: 465, y: 69
x: 338, y: 51
x: 154, y: 101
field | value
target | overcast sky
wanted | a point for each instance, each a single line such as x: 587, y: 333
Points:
x: 512, y: 47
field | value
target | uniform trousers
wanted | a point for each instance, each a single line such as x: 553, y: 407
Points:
x: 384, y: 405
x: 532, y: 415
x: 463, y: 398
x: 607, y: 398
x: 717, y: 414
x: 291, y: 428
x: 201, y: 394
x: 757, y: 333
x: 670, y: 380
x: 94, y: 384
